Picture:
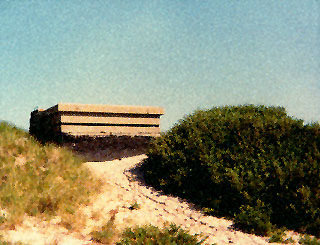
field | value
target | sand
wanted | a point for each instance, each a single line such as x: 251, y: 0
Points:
x: 123, y: 187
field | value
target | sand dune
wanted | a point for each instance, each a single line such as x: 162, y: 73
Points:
x: 124, y: 186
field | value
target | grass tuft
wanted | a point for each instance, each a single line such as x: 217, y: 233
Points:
x: 39, y: 180
x: 107, y: 233
x: 134, y: 206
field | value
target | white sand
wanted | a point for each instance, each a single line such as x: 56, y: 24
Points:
x: 124, y: 187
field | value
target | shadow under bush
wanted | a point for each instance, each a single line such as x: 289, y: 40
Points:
x: 239, y: 161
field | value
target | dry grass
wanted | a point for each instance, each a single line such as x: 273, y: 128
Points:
x: 43, y: 181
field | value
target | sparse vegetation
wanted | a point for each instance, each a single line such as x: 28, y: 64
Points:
x: 252, y: 163
x: 2, y: 242
x: 147, y: 234
x: 40, y: 180
x: 107, y: 233
x: 134, y: 206
x: 171, y: 234
x: 279, y: 237
x: 308, y: 240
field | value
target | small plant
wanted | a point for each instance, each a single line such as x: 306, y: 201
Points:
x: 107, y: 232
x: 208, y: 211
x: 278, y: 237
x: 153, y: 235
x: 2, y: 219
x: 307, y: 240
x: 72, y: 221
x: 3, y: 242
x: 134, y: 206
x: 253, y: 220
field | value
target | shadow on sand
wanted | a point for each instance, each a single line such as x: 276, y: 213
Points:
x: 100, y: 149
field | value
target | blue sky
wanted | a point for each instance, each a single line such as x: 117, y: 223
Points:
x: 181, y: 55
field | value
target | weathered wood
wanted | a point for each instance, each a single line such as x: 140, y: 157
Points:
x: 105, y: 134
x: 110, y: 130
x: 109, y: 109
x: 108, y: 120
x: 96, y: 120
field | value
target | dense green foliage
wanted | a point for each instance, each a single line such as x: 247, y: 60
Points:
x: 147, y: 234
x: 253, y: 163
x: 40, y: 180
x: 153, y: 235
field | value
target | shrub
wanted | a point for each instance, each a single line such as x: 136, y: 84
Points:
x: 153, y: 235
x: 147, y: 234
x: 307, y: 240
x: 241, y: 161
x: 253, y: 220
x: 279, y: 237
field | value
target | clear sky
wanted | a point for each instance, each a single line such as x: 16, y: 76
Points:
x: 182, y: 55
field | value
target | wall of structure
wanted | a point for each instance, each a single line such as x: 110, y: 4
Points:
x: 95, y: 120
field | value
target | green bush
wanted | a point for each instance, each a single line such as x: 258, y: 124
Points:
x: 242, y: 161
x: 253, y: 220
x: 307, y: 240
x: 279, y: 236
x: 153, y: 235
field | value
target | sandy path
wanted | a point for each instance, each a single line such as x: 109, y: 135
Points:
x: 124, y: 187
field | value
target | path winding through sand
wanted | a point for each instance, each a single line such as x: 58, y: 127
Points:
x: 123, y: 187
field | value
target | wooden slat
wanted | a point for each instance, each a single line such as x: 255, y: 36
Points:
x: 152, y: 134
x: 95, y: 130
x: 137, y: 119
x: 109, y: 120
x: 110, y: 109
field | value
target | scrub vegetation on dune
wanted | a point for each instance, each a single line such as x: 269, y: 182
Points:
x: 40, y: 180
x: 147, y: 234
x: 46, y: 181
x: 252, y: 163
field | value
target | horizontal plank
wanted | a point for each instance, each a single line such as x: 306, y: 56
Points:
x: 91, y: 134
x: 96, y: 130
x: 108, y: 108
x: 109, y: 120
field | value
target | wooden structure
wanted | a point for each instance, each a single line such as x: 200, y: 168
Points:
x: 96, y: 120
